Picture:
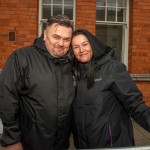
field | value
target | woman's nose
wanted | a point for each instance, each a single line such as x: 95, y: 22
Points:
x: 81, y: 49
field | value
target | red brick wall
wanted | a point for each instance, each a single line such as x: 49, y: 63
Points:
x: 86, y: 14
x: 139, y: 43
x: 145, y: 89
x: 21, y: 17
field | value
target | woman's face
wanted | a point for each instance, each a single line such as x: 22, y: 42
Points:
x: 82, y: 48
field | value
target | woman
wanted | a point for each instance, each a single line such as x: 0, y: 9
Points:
x: 106, y: 96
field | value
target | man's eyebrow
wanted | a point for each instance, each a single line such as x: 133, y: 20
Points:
x: 56, y: 35
x: 61, y: 36
x: 68, y: 38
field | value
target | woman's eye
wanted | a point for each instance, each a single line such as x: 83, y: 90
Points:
x: 85, y: 44
x: 75, y: 47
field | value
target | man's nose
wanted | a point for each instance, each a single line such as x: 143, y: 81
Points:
x: 61, y: 42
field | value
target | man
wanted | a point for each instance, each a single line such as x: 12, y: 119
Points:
x: 36, y: 91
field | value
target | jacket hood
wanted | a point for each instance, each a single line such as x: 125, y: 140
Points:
x: 39, y: 43
x: 98, y: 47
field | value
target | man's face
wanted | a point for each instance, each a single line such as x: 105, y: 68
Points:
x: 57, y: 39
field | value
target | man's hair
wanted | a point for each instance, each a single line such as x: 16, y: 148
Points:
x: 62, y: 20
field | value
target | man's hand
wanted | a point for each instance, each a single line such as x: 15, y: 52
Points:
x: 17, y: 146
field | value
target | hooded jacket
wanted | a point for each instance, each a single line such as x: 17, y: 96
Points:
x: 102, y: 113
x: 36, y: 95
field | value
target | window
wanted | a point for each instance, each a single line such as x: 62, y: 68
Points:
x: 112, y: 25
x: 49, y: 8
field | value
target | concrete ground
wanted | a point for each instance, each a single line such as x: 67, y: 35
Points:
x: 142, y: 139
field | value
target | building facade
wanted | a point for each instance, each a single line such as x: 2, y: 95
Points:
x: 122, y: 24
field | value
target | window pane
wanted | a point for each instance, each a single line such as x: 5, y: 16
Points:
x: 54, y: 7
x: 100, y: 13
x: 121, y: 3
x: 57, y: 1
x: 112, y: 36
x: 111, y: 3
x: 111, y: 14
x: 46, y: 11
x: 68, y: 2
x: 46, y: 1
x: 121, y: 15
x: 57, y: 9
x: 68, y: 10
x: 100, y: 2
x: 43, y: 26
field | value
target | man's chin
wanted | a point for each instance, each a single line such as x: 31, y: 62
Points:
x: 60, y: 55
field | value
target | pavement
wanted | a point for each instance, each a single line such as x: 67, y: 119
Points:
x: 142, y: 139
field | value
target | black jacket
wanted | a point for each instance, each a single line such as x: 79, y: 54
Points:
x: 36, y: 94
x: 102, y: 113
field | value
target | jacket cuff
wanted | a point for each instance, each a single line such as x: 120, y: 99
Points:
x: 11, y: 133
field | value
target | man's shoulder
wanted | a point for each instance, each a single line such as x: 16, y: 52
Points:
x: 23, y: 49
x: 21, y: 54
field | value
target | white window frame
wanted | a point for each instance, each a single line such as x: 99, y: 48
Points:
x: 125, y: 38
x: 40, y: 20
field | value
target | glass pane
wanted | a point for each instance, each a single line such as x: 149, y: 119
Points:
x: 111, y: 14
x: 100, y: 13
x: 46, y: 11
x: 57, y: 1
x: 111, y: 3
x: 68, y: 2
x: 111, y: 35
x: 121, y: 16
x: 43, y: 27
x: 100, y: 2
x: 46, y: 1
x: 68, y: 10
x: 121, y: 3
x: 57, y: 9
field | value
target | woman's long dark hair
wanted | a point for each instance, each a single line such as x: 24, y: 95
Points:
x: 89, y: 68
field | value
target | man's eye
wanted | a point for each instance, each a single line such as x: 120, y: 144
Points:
x: 66, y: 40
x: 56, y: 37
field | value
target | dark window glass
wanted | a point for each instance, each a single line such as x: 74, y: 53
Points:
x: 112, y: 36
x: 68, y: 11
x: 100, y: 13
x: 46, y: 11
x: 57, y: 9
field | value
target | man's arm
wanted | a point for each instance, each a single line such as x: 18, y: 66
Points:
x: 9, y: 103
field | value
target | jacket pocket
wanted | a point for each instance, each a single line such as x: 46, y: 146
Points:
x: 114, y: 132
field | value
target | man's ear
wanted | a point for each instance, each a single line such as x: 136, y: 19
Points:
x: 45, y: 35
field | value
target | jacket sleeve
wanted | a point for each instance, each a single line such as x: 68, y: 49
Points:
x: 9, y: 103
x: 130, y: 96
